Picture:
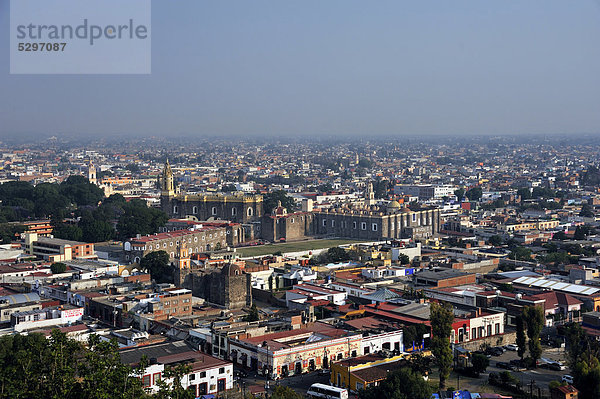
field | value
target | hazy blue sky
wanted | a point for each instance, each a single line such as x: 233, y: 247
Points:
x: 333, y: 67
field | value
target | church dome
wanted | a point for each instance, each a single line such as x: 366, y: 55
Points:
x: 394, y: 205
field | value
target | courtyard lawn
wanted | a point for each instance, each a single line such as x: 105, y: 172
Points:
x: 269, y: 249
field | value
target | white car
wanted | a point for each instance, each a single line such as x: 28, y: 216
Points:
x: 511, y: 347
x: 567, y: 378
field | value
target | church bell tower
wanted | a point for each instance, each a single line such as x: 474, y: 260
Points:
x: 167, y: 181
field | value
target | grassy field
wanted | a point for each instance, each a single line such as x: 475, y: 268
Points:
x: 268, y: 249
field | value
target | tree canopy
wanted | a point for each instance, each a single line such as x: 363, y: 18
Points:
x: 138, y: 218
x: 442, y: 317
x: 403, y: 383
x: 32, y: 366
x: 157, y: 264
x: 271, y: 200
x: 474, y: 194
x: 58, y: 267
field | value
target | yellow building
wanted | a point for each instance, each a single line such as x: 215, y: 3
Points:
x: 361, y: 372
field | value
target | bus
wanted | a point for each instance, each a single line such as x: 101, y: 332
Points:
x: 327, y: 392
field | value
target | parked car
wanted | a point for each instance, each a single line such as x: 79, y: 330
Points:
x: 511, y: 347
x: 517, y: 364
x: 495, y: 351
x: 505, y: 365
x: 557, y: 366
x: 567, y: 378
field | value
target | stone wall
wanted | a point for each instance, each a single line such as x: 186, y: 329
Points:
x: 495, y: 340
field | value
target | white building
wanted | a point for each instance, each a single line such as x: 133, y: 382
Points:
x: 40, y: 318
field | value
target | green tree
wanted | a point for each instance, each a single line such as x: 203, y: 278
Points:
x: 533, y: 317
x: 157, y: 264
x: 58, y: 267
x: 95, y: 228
x: 68, y: 232
x: 495, y: 240
x: 133, y: 168
x: 365, y: 163
x: 587, y: 211
x: 9, y: 232
x: 403, y: 383
x: 521, y: 339
x: 78, y: 190
x: 337, y: 254
x: 480, y: 363
x: 102, y: 374
x: 584, y: 355
x: 559, y: 235
x: 442, y: 317
x: 253, y: 314
x: 138, y: 218
x: 581, y: 232
x: 404, y: 259
x: 273, y: 198
x: 281, y: 392
x: 520, y: 253
x: 474, y: 194
x: 381, y: 188
x: 460, y: 193
x: 175, y: 389
x: 524, y: 193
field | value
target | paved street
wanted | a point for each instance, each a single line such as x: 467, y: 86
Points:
x: 299, y: 383
x: 541, y: 376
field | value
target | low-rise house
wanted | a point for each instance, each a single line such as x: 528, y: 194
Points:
x: 208, y: 375
x: 293, y: 352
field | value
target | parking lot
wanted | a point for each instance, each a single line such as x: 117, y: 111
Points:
x: 541, y: 376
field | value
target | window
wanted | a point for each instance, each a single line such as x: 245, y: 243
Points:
x: 292, y: 220
x: 195, y: 239
x: 192, y: 377
x: 195, y: 210
x: 233, y: 211
x: 171, y: 244
x: 164, y: 244
x: 414, y: 217
x: 392, y: 226
x: 214, y: 210
x: 203, y: 374
x: 221, y: 370
x: 324, y: 222
x: 250, y: 212
x: 146, y: 380
x: 175, y: 209
x: 363, y: 225
x: 167, y: 303
x: 155, y: 378
x: 333, y: 223
x: 374, y: 226
x: 473, y: 333
x: 354, y: 225
x: 497, y: 329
